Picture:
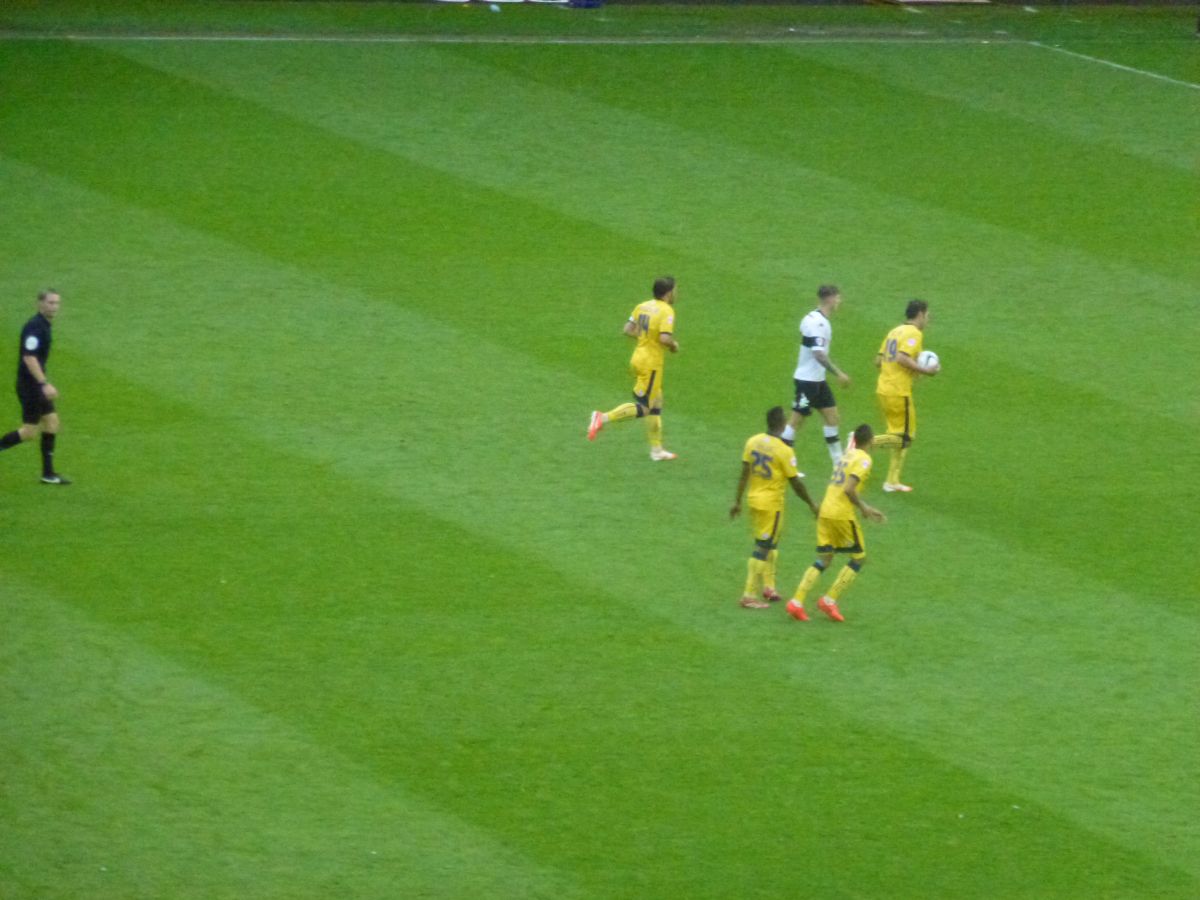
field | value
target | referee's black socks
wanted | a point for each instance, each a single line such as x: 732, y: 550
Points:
x: 10, y: 440
x: 48, y: 454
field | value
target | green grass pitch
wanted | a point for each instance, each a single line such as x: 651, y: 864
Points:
x: 343, y: 604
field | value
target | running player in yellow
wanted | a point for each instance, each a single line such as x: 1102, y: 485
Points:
x: 767, y: 465
x: 838, y: 528
x: 898, y: 368
x: 652, y: 325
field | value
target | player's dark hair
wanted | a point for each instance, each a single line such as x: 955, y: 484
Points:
x: 663, y: 286
x: 775, y: 418
x: 863, y: 435
x: 46, y: 292
x: 915, y: 308
x: 826, y: 291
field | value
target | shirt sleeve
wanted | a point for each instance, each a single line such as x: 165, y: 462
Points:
x: 910, y: 342
x: 812, y: 334
x: 788, y: 462
x: 31, y: 341
x: 861, y: 468
x: 666, y: 321
x: 746, y: 456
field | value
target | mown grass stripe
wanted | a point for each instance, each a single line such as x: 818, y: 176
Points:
x: 271, y: 592
x: 608, y: 683
x: 1136, y: 116
x: 129, y: 772
x: 864, y: 129
x: 799, y: 36
x: 1115, y: 65
x: 393, y: 466
x: 726, y: 211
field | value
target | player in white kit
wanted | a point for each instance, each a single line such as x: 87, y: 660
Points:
x: 812, y: 388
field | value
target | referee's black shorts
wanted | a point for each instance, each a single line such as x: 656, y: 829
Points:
x: 34, y: 405
x: 812, y: 395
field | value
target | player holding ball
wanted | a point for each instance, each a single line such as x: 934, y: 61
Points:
x: 900, y: 360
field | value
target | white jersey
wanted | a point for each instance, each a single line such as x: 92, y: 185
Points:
x: 815, y: 334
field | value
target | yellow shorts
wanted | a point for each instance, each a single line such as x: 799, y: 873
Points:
x: 841, y: 536
x: 767, y: 525
x: 899, y: 413
x: 648, y: 385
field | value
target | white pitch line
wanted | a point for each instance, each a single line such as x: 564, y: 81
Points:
x: 1115, y: 65
x: 796, y: 38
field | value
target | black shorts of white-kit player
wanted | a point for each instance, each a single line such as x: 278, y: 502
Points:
x: 811, y: 375
x: 812, y: 395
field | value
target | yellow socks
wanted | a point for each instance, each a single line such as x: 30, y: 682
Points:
x: 622, y: 412
x: 811, y: 574
x: 754, y: 573
x: 895, y: 443
x: 768, y: 577
x: 654, y: 431
x: 844, y: 580
x: 896, y: 465
x: 632, y: 411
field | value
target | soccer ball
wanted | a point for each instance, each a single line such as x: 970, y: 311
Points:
x: 928, y: 358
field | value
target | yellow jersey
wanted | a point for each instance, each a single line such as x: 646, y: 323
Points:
x: 836, y: 505
x: 653, y: 318
x: 894, y: 379
x: 772, y: 466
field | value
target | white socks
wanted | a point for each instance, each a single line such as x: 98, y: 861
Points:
x: 834, y: 444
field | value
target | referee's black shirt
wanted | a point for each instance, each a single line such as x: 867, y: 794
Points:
x: 35, y: 341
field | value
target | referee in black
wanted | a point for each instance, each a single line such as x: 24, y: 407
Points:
x: 34, y: 389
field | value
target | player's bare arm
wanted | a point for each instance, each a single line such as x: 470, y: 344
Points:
x: 828, y: 365
x: 741, y: 489
x: 865, y: 508
x: 909, y: 363
x: 802, y: 492
x: 631, y: 329
x: 878, y: 360
x: 668, y: 340
x: 35, y: 369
